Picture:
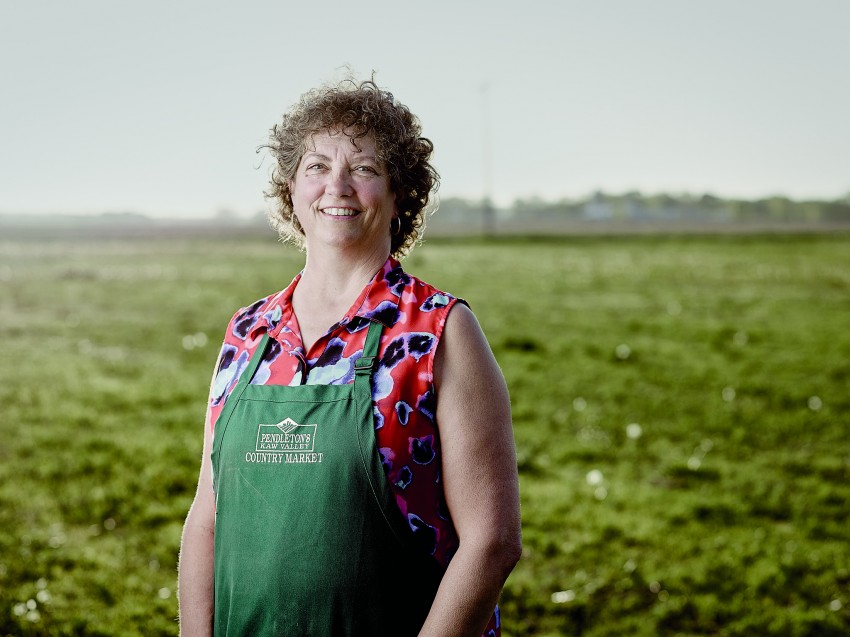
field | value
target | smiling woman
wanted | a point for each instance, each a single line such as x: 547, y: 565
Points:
x: 357, y: 111
x: 359, y: 475
x: 341, y: 194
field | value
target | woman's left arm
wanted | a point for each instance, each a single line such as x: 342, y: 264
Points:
x: 479, y: 478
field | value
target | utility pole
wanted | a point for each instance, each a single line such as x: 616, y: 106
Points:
x: 487, y: 211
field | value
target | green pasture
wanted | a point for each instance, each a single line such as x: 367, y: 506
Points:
x: 680, y: 408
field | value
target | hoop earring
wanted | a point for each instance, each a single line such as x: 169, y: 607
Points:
x: 395, y: 230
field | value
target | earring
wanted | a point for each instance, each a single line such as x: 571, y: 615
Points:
x: 395, y: 230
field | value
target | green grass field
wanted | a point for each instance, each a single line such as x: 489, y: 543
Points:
x: 680, y: 406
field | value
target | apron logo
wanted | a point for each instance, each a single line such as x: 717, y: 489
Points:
x: 286, y: 442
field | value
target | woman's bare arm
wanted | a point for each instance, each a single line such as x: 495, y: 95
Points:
x: 479, y: 477
x: 195, y: 569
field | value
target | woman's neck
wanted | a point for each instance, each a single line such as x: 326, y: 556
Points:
x: 327, y: 289
x: 335, y: 275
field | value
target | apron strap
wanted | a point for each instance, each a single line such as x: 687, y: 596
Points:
x: 256, y: 359
x: 246, y: 376
x: 368, y: 361
x: 230, y: 403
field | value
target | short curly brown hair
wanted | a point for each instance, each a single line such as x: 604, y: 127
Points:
x: 357, y: 109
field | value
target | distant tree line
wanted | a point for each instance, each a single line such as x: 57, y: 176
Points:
x: 457, y: 214
x: 635, y: 206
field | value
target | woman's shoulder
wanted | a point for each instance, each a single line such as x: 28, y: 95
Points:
x: 415, y: 292
x: 262, y: 315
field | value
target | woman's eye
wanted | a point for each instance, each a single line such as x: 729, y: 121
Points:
x: 315, y: 167
x: 366, y: 169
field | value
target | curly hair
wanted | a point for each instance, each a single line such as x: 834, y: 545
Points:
x: 357, y: 109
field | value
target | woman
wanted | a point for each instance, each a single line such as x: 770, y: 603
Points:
x: 359, y: 475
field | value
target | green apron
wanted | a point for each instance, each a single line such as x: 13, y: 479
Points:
x: 308, y: 537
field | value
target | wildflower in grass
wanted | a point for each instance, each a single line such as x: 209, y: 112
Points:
x: 194, y: 341
x: 563, y: 597
x: 594, y: 477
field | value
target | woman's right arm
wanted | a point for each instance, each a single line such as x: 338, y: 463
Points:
x: 195, y: 569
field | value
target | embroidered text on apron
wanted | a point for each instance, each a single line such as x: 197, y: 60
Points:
x: 308, y: 535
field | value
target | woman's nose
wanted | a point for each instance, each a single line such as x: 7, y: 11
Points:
x: 339, y: 184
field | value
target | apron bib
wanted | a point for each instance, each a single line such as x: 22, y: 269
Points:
x: 308, y: 537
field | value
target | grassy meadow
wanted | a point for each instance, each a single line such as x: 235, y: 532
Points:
x: 680, y: 404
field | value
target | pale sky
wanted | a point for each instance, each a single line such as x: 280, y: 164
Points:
x: 158, y: 107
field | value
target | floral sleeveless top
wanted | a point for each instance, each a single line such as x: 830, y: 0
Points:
x: 404, y: 398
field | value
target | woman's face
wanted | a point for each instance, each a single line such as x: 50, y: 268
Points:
x: 341, y: 194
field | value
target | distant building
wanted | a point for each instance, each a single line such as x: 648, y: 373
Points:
x: 598, y: 208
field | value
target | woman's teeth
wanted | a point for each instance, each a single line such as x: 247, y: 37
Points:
x: 340, y: 212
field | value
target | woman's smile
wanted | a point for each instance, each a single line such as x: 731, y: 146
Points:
x: 341, y: 212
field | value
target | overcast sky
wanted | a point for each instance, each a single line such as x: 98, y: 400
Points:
x: 158, y: 107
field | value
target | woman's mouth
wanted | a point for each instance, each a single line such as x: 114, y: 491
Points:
x: 340, y: 212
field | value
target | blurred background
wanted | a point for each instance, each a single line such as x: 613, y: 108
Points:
x: 158, y: 109
x: 659, y: 191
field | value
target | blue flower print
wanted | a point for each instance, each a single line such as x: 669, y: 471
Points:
x: 397, y: 280
x: 394, y: 353
x: 227, y: 376
x: 387, y: 457
x: 379, y: 417
x: 247, y: 319
x: 419, y: 344
x: 402, y: 409
x: 422, y: 449
x: 435, y: 302
x: 405, y: 477
x: 332, y: 368
x: 426, y: 405
x: 386, y: 313
x: 424, y: 535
